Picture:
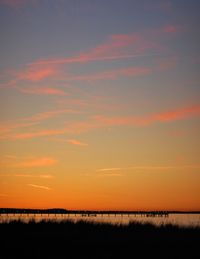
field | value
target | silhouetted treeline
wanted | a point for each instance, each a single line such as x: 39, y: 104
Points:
x: 64, y: 211
x: 67, y: 239
x: 32, y: 211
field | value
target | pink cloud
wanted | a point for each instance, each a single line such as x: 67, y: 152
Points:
x: 170, y: 29
x: 38, y: 162
x: 118, y: 46
x: 43, y: 91
x: 182, y: 113
x: 177, y: 114
x: 103, y: 121
x: 113, y: 45
x: 29, y: 73
x: 77, y: 142
x: 100, y: 121
x: 36, y: 73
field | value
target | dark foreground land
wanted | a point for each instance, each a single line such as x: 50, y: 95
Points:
x: 67, y: 239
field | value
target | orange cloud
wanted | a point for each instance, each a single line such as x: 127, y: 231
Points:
x: 76, y: 142
x: 42, y: 133
x: 42, y: 91
x: 40, y: 186
x: 38, y: 162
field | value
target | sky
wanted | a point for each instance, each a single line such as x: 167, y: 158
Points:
x: 100, y: 104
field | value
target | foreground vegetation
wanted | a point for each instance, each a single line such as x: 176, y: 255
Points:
x: 67, y: 239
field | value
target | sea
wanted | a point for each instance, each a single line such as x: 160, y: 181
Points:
x: 175, y: 219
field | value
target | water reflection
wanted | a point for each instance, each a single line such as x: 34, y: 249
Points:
x: 178, y: 219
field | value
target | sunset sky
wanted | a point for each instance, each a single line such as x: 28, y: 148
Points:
x: 100, y: 104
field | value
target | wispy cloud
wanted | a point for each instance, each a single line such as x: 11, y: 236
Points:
x: 120, y: 171
x: 50, y: 114
x: 26, y: 175
x: 116, y: 46
x: 36, y: 74
x: 109, y: 169
x: 100, y: 121
x: 44, y: 176
x: 31, y: 74
x: 109, y: 174
x: 40, y: 186
x: 77, y: 142
x: 7, y: 129
x: 146, y: 168
x: 37, y: 162
x: 40, y: 133
x: 28, y: 162
x: 112, y: 74
x: 110, y: 49
x: 43, y: 91
x: 172, y: 115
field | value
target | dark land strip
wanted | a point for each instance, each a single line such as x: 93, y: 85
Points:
x: 81, y: 239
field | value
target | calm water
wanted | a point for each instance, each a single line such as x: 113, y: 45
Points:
x: 178, y: 219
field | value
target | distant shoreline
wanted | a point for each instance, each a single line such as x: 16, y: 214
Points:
x: 65, y: 211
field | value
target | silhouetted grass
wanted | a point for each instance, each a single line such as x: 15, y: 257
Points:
x: 81, y: 239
